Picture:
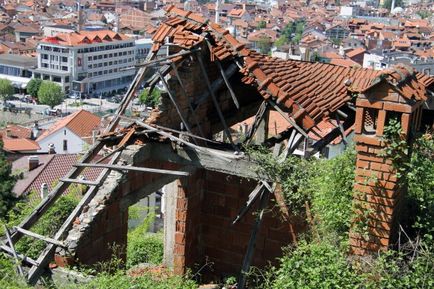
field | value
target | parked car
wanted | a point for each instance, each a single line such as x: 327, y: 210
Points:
x: 8, y: 106
x: 53, y: 112
x: 115, y: 99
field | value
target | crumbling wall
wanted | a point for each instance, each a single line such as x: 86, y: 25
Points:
x: 207, y: 203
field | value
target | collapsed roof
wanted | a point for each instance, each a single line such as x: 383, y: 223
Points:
x: 309, y: 91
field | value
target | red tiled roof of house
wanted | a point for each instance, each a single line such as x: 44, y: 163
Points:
x: 81, y: 122
x: 51, y: 169
x: 84, y: 37
x: 347, y: 62
x: 310, y: 91
x: 356, y: 52
x: 16, y: 131
x: 19, y: 145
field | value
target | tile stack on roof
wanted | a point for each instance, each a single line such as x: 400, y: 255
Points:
x: 81, y: 122
x: 311, y: 91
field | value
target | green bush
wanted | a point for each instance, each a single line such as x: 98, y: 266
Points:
x: 142, y: 246
x: 152, y: 99
x: 147, y: 248
x: 315, y: 265
x: 331, y: 191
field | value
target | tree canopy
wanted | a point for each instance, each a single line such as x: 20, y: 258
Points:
x: 50, y: 93
x: 33, y: 86
x: 6, y: 89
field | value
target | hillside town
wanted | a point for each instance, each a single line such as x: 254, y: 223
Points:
x: 99, y: 97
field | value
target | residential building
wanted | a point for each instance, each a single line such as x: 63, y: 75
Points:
x: 87, y: 62
x: 71, y: 134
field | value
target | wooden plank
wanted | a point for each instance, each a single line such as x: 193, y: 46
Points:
x: 285, y: 116
x: 14, y: 253
x: 172, y: 137
x: 178, y: 110
x: 228, y: 85
x: 40, y: 237
x: 214, y: 100
x: 133, y: 168
x: 250, y: 201
x: 81, y: 182
x: 252, y: 242
x: 258, y: 117
x: 164, y: 58
x: 184, y: 92
x: 25, y: 259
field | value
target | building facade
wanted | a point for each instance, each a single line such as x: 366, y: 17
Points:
x: 90, y: 63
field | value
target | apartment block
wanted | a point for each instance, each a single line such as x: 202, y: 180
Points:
x: 89, y: 63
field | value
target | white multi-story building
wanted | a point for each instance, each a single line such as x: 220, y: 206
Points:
x: 87, y: 62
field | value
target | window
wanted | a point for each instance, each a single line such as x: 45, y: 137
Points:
x: 64, y: 132
x: 65, y: 144
x: 89, y: 58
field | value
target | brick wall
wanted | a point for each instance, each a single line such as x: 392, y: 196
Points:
x: 209, y: 235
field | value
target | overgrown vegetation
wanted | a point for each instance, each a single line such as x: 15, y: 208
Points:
x: 152, y: 99
x: 144, y: 247
x: 320, y: 259
x: 7, y: 182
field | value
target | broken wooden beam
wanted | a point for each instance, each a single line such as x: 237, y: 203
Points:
x: 184, y: 92
x: 132, y: 168
x: 81, y: 182
x: 228, y: 85
x: 41, y: 237
x: 288, y: 119
x: 14, y: 253
x: 173, y: 99
x: 215, y: 102
x: 252, y: 241
x: 25, y: 259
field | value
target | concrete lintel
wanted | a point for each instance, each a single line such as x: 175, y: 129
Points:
x: 235, y: 165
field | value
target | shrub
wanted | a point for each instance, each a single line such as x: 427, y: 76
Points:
x: 142, y: 246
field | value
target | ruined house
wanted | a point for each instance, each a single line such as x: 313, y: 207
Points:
x: 212, y: 187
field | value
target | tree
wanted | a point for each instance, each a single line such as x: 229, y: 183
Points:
x: 262, y: 24
x: 33, y: 86
x: 50, y: 93
x: 7, y: 182
x: 6, y: 89
x: 264, y: 45
x: 388, y: 4
x: 150, y: 100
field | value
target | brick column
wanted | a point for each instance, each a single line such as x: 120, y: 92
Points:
x: 188, y: 222
x: 378, y: 191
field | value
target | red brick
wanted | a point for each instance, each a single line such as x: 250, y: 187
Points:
x: 368, y: 173
x: 370, y: 157
x: 179, y: 250
x: 179, y: 238
x: 379, y: 224
x: 180, y: 226
x: 367, y: 103
x: 362, y: 164
x: 367, y: 140
x: 405, y: 123
x: 381, y: 119
x: 397, y: 107
x: 359, y: 120
x: 361, y: 148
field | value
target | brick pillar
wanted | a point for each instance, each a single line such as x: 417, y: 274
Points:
x: 377, y: 190
x: 188, y: 222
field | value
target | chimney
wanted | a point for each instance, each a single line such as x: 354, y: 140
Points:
x: 35, y: 130
x: 8, y: 132
x: 44, y: 190
x: 33, y: 162
x: 51, y: 149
